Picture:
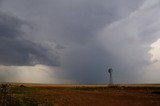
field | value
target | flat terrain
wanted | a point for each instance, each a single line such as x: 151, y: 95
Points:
x: 86, y: 95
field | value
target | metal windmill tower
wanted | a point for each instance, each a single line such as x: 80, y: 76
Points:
x: 110, y: 71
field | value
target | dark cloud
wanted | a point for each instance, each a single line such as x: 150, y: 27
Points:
x: 85, y: 61
x: 75, y: 25
x: 78, y: 21
x: 9, y: 26
x: 16, y: 50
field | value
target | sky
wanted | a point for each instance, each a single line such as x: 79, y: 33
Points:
x: 76, y: 41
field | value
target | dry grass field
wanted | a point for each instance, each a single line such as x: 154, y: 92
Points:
x: 85, y: 95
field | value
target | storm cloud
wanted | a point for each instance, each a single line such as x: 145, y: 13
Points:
x: 16, y: 49
x: 83, y: 38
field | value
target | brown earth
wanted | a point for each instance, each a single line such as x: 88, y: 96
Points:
x: 89, y: 95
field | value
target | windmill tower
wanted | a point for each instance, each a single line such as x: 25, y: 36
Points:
x: 110, y: 71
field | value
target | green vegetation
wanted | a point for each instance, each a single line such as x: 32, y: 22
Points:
x: 9, y: 97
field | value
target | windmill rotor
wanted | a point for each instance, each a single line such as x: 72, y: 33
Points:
x: 110, y: 70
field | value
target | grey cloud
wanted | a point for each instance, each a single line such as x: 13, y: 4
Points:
x: 16, y: 50
x: 75, y: 24
x: 129, y: 40
x: 7, y: 24
x: 80, y: 22
x: 71, y: 20
x: 86, y: 61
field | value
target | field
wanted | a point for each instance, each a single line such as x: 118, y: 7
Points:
x: 83, y: 95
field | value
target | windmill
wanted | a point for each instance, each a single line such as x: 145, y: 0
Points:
x: 110, y: 70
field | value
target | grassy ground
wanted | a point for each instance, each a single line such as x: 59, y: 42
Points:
x: 85, y: 95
